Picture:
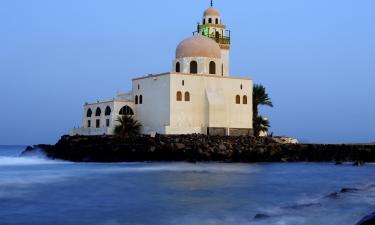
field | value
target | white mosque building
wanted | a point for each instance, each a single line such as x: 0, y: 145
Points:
x: 198, y: 96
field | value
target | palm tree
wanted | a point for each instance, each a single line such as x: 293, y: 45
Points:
x: 260, y: 125
x: 128, y: 126
x: 260, y: 97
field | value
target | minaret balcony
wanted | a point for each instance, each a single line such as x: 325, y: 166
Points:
x: 221, y: 40
x: 212, y: 25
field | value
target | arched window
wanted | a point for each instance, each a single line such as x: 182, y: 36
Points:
x: 193, y: 67
x: 98, y: 112
x: 183, y: 82
x: 89, y: 113
x: 204, y: 21
x: 140, y: 99
x: 187, y: 97
x: 244, y: 100
x: 209, y: 20
x: 108, y: 111
x: 136, y: 99
x: 178, y: 69
x: 238, y: 99
x: 212, y: 67
x: 241, y: 86
x: 179, y: 96
x: 139, y: 86
x: 126, y: 110
x: 217, y: 21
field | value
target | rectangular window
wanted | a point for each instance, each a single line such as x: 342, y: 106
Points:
x: 89, y: 123
x: 107, y: 122
x: 97, y: 123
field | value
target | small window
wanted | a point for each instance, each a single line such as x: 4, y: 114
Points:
x: 178, y: 67
x: 139, y: 86
x: 107, y: 123
x: 140, y: 99
x: 183, y: 83
x: 187, y: 97
x: 98, y: 112
x: 193, y: 67
x: 108, y: 111
x: 136, y: 99
x: 97, y: 123
x: 204, y: 21
x: 89, y: 113
x: 238, y: 99
x: 244, y: 100
x: 217, y: 21
x: 88, y: 123
x: 179, y: 96
x: 222, y: 69
x: 212, y: 67
x: 241, y: 86
x: 209, y: 20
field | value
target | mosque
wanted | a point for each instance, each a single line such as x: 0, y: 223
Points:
x: 198, y: 96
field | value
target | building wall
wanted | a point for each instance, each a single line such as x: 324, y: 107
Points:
x: 115, y: 106
x: 203, y: 65
x: 213, y: 19
x: 212, y: 103
x: 225, y: 60
x: 154, y: 111
x: 211, y: 106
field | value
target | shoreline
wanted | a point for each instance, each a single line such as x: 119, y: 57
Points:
x: 199, y: 148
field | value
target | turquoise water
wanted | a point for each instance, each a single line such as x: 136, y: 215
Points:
x: 41, y: 191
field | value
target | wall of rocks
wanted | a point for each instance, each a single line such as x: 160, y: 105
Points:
x: 195, y: 148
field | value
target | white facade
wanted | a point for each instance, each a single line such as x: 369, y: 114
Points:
x: 198, y: 96
x: 101, y: 117
x: 207, y: 101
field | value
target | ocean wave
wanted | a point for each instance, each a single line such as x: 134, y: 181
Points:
x: 26, y: 161
x: 184, y: 167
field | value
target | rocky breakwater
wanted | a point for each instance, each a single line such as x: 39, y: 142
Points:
x: 196, y: 148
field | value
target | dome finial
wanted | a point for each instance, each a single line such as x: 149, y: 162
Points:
x: 212, y: 3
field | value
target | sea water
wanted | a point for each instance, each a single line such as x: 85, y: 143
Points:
x: 40, y: 191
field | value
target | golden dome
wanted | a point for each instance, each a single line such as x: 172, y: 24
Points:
x: 198, y: 46
x: 211, y: 12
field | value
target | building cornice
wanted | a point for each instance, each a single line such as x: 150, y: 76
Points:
x: 189, y: 74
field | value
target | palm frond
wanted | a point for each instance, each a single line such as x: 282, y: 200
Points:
x: 128, y: 126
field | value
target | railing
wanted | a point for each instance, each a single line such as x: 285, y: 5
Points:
x: 222, y: 38
x: 219, y: 39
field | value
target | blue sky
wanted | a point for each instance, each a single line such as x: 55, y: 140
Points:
x: 316, y: 58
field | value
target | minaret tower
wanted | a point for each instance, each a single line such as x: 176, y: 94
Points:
x: 213, y: 28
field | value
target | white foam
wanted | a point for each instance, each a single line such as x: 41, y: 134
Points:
x: 186, y: 167
x: 25, y: 161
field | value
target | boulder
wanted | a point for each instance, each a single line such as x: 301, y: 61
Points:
x: 261, y: 216
x: 368, y: 220
x: 180, y: 146
x: 222, y: 147
x: 349, y: 190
